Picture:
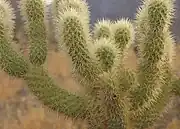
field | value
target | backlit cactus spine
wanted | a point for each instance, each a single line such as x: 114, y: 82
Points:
x: 113, y: 100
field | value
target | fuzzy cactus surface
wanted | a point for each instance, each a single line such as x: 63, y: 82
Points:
x: 116, y: 97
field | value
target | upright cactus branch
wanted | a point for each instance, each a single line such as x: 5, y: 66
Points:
x: 75, y: 37
x: 155, y: 72
x: 19, y: 67
x: 78, y: 5
x: 123, y: 36
x: 32, y: 12
x: 152, y: 49
x: 7, y: 18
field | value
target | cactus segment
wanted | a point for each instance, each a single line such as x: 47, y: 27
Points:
x: 74, y: 36
x: 42, y: 85
x: 152, y: 48
x: 33, y: 13
x: 10, y: 61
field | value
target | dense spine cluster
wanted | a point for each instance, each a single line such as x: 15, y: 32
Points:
x: 116, y: 97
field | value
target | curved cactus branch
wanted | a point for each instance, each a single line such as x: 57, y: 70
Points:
x: 123, y: 35
x: 41, y: 84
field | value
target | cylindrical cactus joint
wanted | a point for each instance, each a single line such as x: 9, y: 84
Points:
x: 10, y: 61
x: 154, y: 65
x: 74, y: 36
x: 33, y: 12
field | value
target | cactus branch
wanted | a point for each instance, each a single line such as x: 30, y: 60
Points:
x: 75, y: 38
x: 10, y: 61
x: 33, y: 12
x: 53, y: 96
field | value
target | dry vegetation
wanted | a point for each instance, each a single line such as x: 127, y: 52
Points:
x: 19, y: 109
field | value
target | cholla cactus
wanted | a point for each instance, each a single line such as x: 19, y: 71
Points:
x: 116, y: 97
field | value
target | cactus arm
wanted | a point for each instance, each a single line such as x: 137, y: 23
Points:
x: 79, y: 5
x: 10, y: 61
x: 41, y: 85
x: 75, y: 38
x: 114, y: 97
x: 33, y: 12
x: 155, y: 101
x: 123, y: 36
x: 53, y: 96
x: 158, y: 15
x: 140, y: 27
x: 7, y: 18
x: 151, y: 110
